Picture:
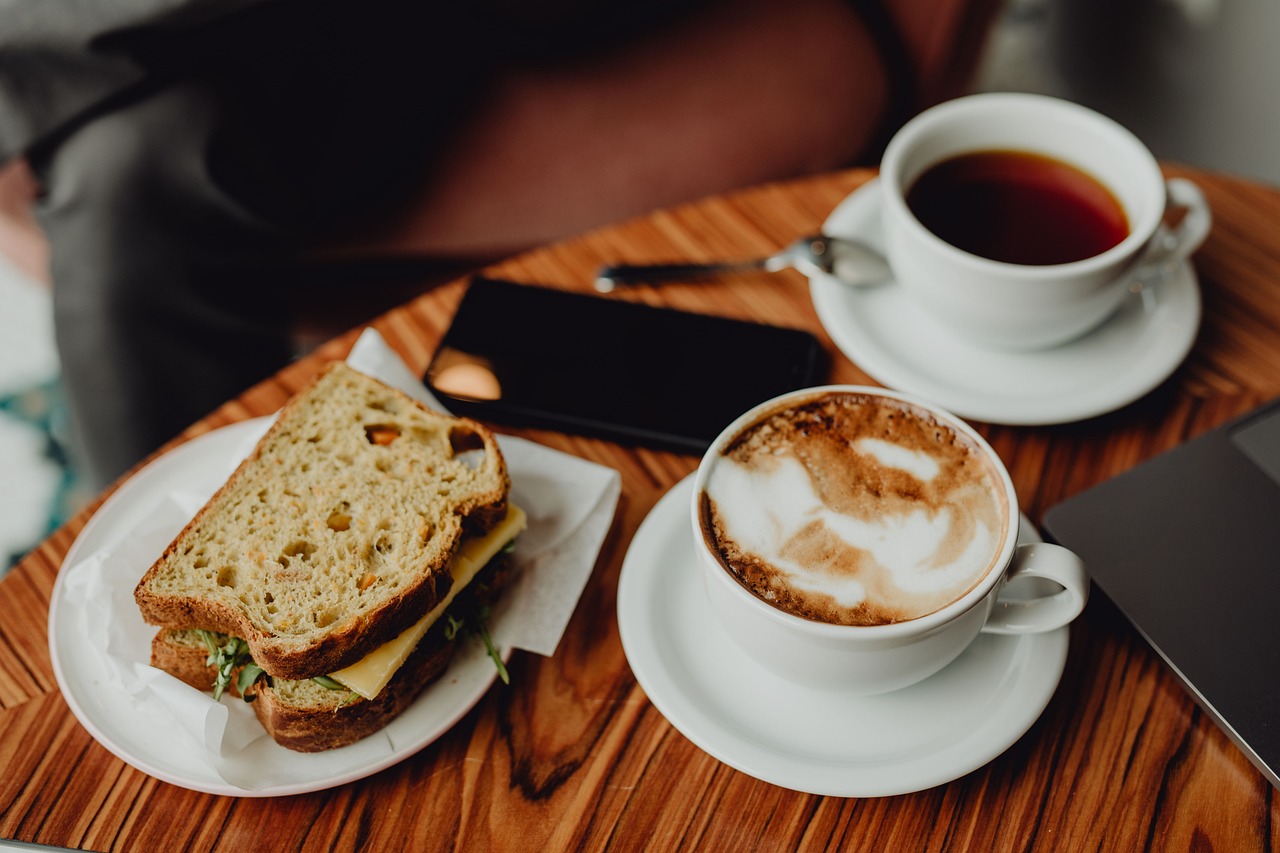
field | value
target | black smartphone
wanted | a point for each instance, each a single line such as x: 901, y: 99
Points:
x: 533, y: 356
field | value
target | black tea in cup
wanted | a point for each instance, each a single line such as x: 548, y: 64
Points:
x: 1018, y: 207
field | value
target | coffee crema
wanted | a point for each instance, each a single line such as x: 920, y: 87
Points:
x: 854, y: 509
x: 1018, y: 207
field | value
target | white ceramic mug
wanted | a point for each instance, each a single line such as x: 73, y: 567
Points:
x: 1017, y: 306
x: 870, y: 659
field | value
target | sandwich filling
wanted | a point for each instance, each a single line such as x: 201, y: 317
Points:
x: 368, y: 676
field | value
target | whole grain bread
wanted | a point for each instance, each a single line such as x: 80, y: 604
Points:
x: 335, y: 534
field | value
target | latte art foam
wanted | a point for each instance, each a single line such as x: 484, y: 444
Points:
x: 855, y: 509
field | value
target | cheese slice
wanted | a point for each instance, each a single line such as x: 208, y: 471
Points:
x: 369, y: 675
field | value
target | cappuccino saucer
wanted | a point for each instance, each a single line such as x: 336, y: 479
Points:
x: 826, y: 742
x: 885, y: 333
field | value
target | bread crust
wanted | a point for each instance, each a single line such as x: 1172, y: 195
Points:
x: 354, y: 636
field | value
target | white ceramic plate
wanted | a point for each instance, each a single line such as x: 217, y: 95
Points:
x: 200, y: 466
x: 883, y: 332
x: 820, y: 742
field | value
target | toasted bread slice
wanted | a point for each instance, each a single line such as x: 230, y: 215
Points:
x: 335, y: 534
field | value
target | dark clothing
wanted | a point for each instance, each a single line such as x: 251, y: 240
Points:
x: 299, y: 85
x: 158, y: 315
x: 191, y: 148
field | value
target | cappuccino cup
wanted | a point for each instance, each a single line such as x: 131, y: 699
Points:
x: 1022, y: 221
x: 859, y: 539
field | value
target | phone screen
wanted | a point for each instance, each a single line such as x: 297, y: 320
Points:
x: 533, y: 356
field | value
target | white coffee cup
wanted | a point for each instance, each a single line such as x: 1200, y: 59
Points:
x: 877, y: 658
x: 1023, y: 306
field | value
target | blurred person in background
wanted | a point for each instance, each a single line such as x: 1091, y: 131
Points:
x: 204, y: 171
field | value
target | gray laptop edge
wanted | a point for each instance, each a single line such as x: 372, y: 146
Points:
x: 1187, y: 545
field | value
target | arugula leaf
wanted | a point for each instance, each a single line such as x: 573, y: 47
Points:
x: 333, y: 684
x: 475, y: 625
x: 247, y: 677
x: 481, y: 629
x: 226, y: 654
x: 210, y: 640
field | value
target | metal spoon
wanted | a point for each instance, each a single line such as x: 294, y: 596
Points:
x: 849, y: 261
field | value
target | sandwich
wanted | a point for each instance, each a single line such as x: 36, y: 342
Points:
x: 330, y: 578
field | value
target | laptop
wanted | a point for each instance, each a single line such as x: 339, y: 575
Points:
x: 1187, y: 545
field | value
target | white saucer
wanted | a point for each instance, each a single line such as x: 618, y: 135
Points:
x: 199, y: 467
x: 819, y: 742
x: 882, y: 331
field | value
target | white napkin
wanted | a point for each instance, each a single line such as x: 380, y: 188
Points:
x: 570, y: 503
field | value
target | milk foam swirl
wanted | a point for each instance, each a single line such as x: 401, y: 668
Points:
x: 855, y: 509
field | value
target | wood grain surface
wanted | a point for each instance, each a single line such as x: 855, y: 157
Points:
x: 574, y: 756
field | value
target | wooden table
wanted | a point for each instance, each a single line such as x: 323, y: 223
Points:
x: 574, y: 755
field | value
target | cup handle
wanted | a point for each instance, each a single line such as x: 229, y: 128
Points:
x: 1017, y: 613
x: 1171, y: 244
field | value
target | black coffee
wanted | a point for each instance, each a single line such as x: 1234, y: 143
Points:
x: 1018, y: 207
